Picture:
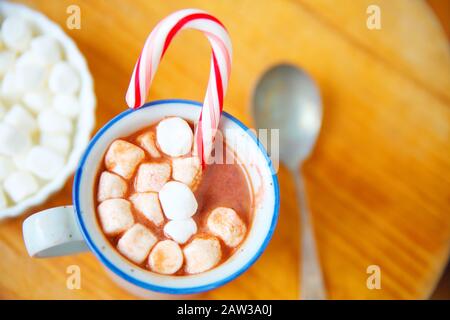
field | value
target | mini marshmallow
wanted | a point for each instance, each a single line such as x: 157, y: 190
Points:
x: 147, y: 203
x: 152, y: 176
x: 180, y: 230
x: 59, y: 143
x: 52, y: 122
x: 202, y: 254
x: 20, y: 118
x: 178, y: 201
x: 136, y: 243
x: 147, y: 141
x: 227, y: 225
x: 187, y: 170
x: 6, y: 61
x: 44, y: 162
x: 123, y: 157
x: 27, y: 58
x: 115, y: 216
x: 19, y: 185
x: 2, y: 110
x: 66, y: 104
x: 6, y: 167
x: 13, y: 141
x: 166, y: 257
x: 30, y: 76
x: 3, y: 200
x: 111, y: 186
x: 37, y: 101
x: 46, y: 49
x: 9, y: 89
x: 63, y: 79
x: 20, y: 161
x: 174, y: 136
x: 16, y: 33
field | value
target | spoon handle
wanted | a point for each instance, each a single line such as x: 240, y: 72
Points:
x: 311, y: 280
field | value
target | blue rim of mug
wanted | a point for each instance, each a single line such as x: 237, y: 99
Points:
x: 158, y: 288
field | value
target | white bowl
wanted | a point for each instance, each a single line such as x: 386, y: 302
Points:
x: 86, y: 119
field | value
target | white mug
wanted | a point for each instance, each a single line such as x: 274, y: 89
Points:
x: 71, y: 229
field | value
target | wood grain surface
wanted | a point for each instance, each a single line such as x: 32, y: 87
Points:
x: 379, y: 180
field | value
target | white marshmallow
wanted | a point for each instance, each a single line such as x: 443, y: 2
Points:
x: 111, y: 186
x: 37, y: 101
x: 152, y: 176
x: 66, y: 104
x: 227, y: 225
x: 136, y: 243
x: 46, y: 49
x: 59, y: 143
x: 180, y: 230
x: 147, y: 141
x: 6, y: 61
x: 147, y: 203
x: 27, y: 58
x: 20, y: 161
x: 13, y: 141
x: 20, y: 118
x: 187, y: 170
x: 174, y: 136
x: 52, y: 122
x: 115, y: 216
x: 6, y: 167
x: 44, y: 162
x: 9, y: 89
x: 19, y: 185
x: 3, y: 200
x: 166, y: 257
x: 2, y: 110
x: 202, y: 254
x: 123, y: 157
x: 63, y: 79
x: 177, y: 201
x: 30, y: 76
x: 16, y: 33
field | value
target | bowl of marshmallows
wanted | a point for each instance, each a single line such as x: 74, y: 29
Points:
x: 47, y: 108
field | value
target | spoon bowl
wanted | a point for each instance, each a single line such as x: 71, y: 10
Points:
x: 286, y: 98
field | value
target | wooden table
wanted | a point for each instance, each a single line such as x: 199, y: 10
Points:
x: 379, y: 180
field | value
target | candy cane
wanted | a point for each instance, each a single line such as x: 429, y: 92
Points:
x: 152, y: 53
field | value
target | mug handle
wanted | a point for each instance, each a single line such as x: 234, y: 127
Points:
x: 53, y: 232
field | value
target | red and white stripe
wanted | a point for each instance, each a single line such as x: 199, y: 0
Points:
x: 153, y: 51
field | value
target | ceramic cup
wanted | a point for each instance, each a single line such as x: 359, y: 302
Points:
x: 71, y: 229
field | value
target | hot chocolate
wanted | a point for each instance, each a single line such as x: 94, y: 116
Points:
x: 161, y: 211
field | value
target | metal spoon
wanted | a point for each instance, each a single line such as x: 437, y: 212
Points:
x: 286, y: 98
